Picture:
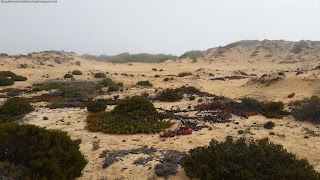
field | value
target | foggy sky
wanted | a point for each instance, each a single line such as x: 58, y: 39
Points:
x: 152, y: 26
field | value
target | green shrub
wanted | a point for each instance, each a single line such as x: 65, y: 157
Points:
x: 76, y: 72
x: 166, y: 79
x: 107, y: 82
x: 5, y: 81
x: 99, y: 75
x: 245, y: 159
x: 188, y: 90
x: 67, y: 76
x: 18, y: 78
x: 269, y: 125
x: 133, y: 115
x: 309, y: 111
x: 251, y: 102
x: 144, y: 83
x: 192, y: 98
x: 184, y: 74
x: 156, y: 76
x: 9, y: 171
x: 154, y: 69
x: 169, y: 95
x: 194, y: 54
x: 99, y: 86
x: 7, y: 73
x: 16, y: 106
x: 274, y: 110
x: 40, y: 153
x: 95, y: 106
x: 113, y: 88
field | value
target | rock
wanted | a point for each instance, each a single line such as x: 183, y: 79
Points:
x: 210, y: 74
x: 45, y: 118
x: 240, y: 132
x: 200, y: 100
x: 306, y: 137
x: 271, y: 133
x: 281, y: 73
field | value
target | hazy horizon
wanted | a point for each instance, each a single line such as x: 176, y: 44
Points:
x: 152, y: 26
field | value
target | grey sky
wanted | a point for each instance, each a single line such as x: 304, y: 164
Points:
x: 152, y: 26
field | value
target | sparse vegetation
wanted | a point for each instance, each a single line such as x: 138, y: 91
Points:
x: 245, y: 159
x: 4, y: 81
x: 144, y: 83
x: 308, y: 111
x: 32, y: 152
x: 169, y: 95
x: 192, y: 98
x: 243, y: 43
x: 7, y: 78
x: 113, y: 88
x: 133, y: 115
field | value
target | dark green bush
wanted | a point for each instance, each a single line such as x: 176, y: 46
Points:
x: 166, y: 79
x: 7, y: 73
x: 99, y: 86
x: 274, y: 110
x: 107, y: 82
x: 183, y: 74
x: 76, y: 72
x: 5, y: 81
x: 309, y: 111
x: 40, y: 153
x: 194, y: 54
x: 169, y: 95
x: 245, y: 159
x: 251, y: 102
x: 269, y: 125
x: 18, y: 78
x: 113, y: 88
x: 192, y: 98
x: 16, y: 106
x: 95, y: 106
x: 99, y: 75
x: 67, y: 76
x: 133, y: 115
x: 156, y: 76
x: 144, y: 83
x: 188, y: 90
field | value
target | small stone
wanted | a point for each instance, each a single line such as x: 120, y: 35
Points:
x: 271, y: 133
x: 45, y: 118
x: 240, y: 132
x: 306, y: 137
x: 123, y: 140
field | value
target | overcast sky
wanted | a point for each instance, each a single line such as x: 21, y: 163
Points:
x: 152, y: 26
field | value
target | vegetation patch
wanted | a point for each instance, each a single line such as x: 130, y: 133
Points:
x: 169, y: 95
x: 37, y: 153
x: 100, y: 75
x: 193, y: 54
x: 245, y: 159
x: 183, y: 74
x: 133, y: 115
x: 76, y: 72
x: 68, y: 76
x: 144, y: 83
x: 7, y: 78
x: 95, y: 106
x: 14, y: 109
x: 269, y: 125
x: 308, y: 111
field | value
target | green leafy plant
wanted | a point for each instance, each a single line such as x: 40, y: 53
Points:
x: 269, y: 125
x: 43, y: 154
x: 245, y: 159
x: 183, y: 74
x: 309, y: 111
x: 16, y: 106
x: 113, y: 88
x: 4, y: 81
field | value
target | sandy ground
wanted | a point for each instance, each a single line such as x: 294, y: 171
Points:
x: 288, y: 132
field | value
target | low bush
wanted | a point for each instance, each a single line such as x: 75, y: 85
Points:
x: 251, y: 102
x: 95, y: 106
x: 76, y: 72
x: 99, y: 75
x: 7, y: 73
x: 144, y: 83
x: 18, y: 78
x: 269, y: 125
x: 113, y: 88
x: 156, y: 76
x: 133, y: 115
x: 309, y: 111
x: 107, y: 82
x: 183, y: 74
x: 16, y: 106
x: 245, y: 159
x: 66, y: 76
x: 188, y: 90
x: 192, y: 98
x: 166, y: 79
x: 4, y: 81
x: 36, y: 153
x: 169, y: 95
